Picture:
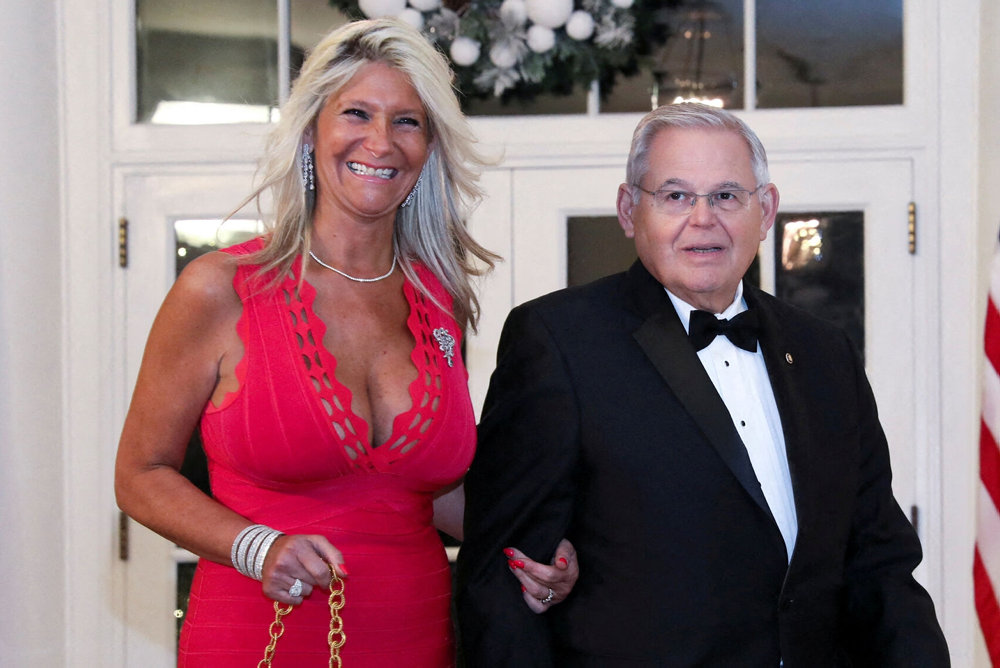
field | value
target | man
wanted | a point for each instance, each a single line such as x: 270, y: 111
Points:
x: 729, y: 497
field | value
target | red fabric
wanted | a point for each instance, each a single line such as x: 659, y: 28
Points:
x: 286, y: 451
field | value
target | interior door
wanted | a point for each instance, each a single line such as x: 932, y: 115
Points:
x: 880, y: 191
x: 866, y: 198
x: 171, y: 219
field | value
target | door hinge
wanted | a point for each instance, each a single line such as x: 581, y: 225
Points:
x: 911, y: 226
x: 122, y: 536
x: 123, y: 242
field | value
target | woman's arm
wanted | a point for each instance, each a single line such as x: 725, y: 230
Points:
x: 190, y: 359
x: 180, y: 370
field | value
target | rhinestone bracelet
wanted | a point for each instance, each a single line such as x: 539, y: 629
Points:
x: 250, y: 548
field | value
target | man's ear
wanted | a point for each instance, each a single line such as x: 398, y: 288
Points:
x: 626, y: 205
x: 769, y: 199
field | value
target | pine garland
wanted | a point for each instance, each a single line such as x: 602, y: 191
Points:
x: 507, y: 67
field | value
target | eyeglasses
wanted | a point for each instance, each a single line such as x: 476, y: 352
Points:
x: 682, y: 202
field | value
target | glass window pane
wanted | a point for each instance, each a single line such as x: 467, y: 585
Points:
x: 829, y: 54
x: 311, y: 20
x: 206, y: 62
x: 702, y: 56
x: 596, y: 247
x: 548, y: 103
x: 197, y: 236
x: 819, y: 267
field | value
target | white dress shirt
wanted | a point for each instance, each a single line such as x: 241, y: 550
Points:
x: 741, y: 379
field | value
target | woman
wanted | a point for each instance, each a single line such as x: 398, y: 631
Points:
x: 323, y: 363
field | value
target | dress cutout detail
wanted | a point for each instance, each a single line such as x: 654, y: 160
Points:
x: 286, y: 450
x: 425, y: 391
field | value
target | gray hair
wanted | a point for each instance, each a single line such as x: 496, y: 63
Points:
x: 432, y: 229
x: 690, y: 115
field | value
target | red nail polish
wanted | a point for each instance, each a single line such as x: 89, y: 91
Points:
x: 563, y: 559
x: 517, y: 563
x: 343, y: 569
x: 509, y: 552
x: 523, y: 589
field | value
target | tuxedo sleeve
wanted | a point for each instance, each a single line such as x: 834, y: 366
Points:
x: 519, y: 493
x: 891, y: 618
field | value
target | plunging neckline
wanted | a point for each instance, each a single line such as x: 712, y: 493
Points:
x: 319, y: 364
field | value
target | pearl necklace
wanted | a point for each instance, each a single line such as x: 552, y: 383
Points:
x: 355, y: 278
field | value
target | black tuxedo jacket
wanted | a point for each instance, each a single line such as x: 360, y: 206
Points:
x: 601, y: 425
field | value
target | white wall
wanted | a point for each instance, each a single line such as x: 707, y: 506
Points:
x: 31, y: 471
x: 989, y: 143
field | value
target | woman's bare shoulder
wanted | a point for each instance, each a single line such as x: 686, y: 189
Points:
x: 205, y: 287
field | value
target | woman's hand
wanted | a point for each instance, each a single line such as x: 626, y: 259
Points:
x: 306, y: 558
x: 544, y: 586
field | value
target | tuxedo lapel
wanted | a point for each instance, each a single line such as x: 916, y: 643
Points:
x: 664, y: 341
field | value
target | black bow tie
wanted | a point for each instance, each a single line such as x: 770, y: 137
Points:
x: 741, y: 329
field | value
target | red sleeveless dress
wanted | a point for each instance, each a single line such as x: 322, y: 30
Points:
x: 286, y: 450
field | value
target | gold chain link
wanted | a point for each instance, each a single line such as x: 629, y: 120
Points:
x: 276, y: 629
x: 336, y: 638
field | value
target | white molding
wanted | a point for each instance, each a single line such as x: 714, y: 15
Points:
x: 93, y: 630
x: 956, y: 47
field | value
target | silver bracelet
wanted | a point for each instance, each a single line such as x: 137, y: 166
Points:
x: 250, y: 548
x: 258, y: 566
x: 234, y: 554
x: 246, y: 542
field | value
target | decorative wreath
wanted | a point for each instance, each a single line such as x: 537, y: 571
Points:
x: 522, y: 48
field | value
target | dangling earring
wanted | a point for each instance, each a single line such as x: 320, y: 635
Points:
x: 409, y: 198
x: 308, y: 175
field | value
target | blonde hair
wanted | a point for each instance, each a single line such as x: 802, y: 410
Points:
x: 432, y: 229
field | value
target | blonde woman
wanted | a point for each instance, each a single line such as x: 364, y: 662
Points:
x: 323, y: 364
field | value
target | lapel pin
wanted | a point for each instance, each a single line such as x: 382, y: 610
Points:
x: 446, y: 343
x: 788, y: 358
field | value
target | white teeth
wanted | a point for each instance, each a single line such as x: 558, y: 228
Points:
x: 384, y: 173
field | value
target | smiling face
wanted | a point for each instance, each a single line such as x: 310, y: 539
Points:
x: 701, y: 256
x: 371, y: 141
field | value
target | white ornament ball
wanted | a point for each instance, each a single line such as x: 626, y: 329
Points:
x: 513, y: 12
x: 375, y: 9
x: 413, y: 17
x: 503, y: 56
x: 580, y: 25
x: 549, y: 13
x: 425, y: 5
x: 541, y: 39
x: 622, y: 4
x: 464, y: 51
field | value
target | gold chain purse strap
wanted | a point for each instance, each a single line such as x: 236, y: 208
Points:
x: 336, y: 637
